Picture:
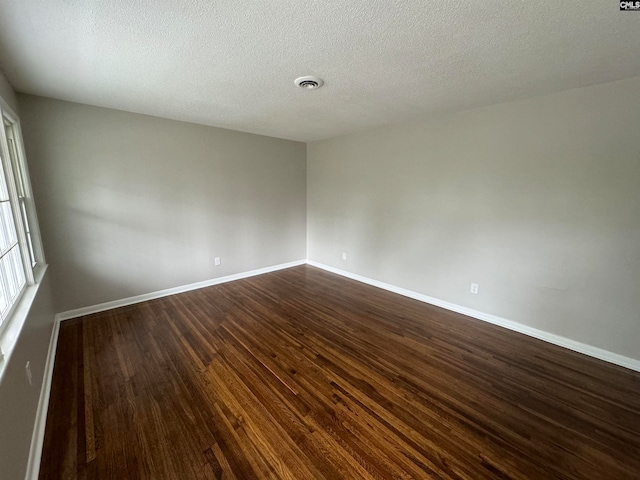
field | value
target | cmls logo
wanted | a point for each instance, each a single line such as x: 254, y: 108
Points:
x: 630, y: 5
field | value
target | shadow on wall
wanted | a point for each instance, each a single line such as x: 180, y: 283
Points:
x: 529, y: 263
x: 118, y: 244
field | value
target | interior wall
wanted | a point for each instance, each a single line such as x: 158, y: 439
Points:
x: 536, y: 201
x: 130, y: 204
x: 7, y: 93
x: 18, y: 399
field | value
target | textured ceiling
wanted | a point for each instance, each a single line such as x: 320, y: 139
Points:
x: 231, y: 63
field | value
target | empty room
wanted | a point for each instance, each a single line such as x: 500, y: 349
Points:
x: 319, y: 240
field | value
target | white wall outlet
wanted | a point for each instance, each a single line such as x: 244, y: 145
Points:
x: 27, y: 367
x: 344, y: 255
x: 216, y: 261
x: 474, y: 288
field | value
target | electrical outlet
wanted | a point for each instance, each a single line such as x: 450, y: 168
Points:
x: 216, y: 261
x: 27, y: 367
x: 474, y: 288
x: 344, y: 255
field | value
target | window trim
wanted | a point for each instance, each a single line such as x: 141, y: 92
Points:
x: 32, y: 216
x: 14, y: 320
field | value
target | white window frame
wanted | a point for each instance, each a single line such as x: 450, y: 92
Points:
x: 12, y: 321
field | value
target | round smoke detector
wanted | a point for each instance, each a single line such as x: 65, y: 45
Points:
x: 309, y: 83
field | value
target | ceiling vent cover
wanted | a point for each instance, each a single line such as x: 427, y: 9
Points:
x: 309, y: 83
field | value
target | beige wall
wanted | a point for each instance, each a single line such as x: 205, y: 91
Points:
x: 18, y: 399
x: 7, y: 93
x: 538, y: 201
x: 130, y: 204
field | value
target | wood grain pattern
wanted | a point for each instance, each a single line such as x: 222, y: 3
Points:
x: 301, y: 374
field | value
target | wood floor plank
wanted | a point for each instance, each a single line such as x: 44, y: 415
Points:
x: 301, y: 374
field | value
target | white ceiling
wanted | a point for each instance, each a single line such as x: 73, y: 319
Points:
x: 231, y: 63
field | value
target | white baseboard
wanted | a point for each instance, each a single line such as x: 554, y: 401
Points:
x: 101, y: 307
x: 37, y: 438
x: 579, y: 347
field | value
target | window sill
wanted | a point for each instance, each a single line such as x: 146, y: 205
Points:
x: 11, y: 330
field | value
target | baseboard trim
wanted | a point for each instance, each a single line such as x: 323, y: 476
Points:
x: 101, y: 307
x: 579, y: 347
x: 37, y: 438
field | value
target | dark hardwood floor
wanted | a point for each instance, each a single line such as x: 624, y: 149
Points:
x: 301, y: 374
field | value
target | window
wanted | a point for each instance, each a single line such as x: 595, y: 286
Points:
x: 20, y: 250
